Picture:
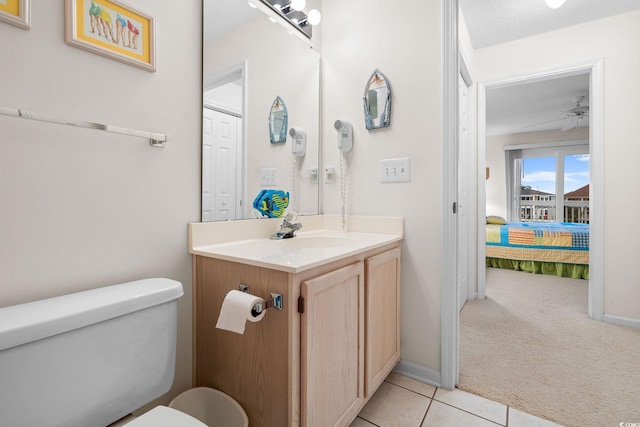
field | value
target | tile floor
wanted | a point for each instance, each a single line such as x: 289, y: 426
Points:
x: 404, y: 402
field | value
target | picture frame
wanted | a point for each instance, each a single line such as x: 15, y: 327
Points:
x: 16, y: 12
x: 113, y: 29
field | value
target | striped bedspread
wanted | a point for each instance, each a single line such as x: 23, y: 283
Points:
x: 564, y: 242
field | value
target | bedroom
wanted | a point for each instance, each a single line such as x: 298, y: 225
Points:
x: 537, y: 156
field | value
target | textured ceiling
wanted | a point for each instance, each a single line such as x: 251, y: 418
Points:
x: 539, y: 106
x: 492, y: 22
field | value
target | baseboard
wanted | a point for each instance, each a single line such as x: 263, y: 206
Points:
x: 622, y: 321
x: 418, y: 373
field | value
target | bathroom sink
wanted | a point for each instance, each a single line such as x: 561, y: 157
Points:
x: 315, y: 242
x: 306, y: 250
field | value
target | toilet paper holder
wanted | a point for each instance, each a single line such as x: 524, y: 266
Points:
x: 275, y: 301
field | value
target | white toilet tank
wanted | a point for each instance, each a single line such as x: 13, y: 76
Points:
x: 87, y: 359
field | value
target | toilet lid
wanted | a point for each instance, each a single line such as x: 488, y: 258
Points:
x: 162, y: 416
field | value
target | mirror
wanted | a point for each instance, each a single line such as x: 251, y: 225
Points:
x: 248, y: 62
x: 377, y: 101
x: 278, y: 121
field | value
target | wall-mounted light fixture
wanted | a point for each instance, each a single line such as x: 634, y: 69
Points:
x: 293, y: 12
x: 298, y: 5
x: 554, y: 4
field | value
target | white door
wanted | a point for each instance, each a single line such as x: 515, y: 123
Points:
x: 221, y: 134
x: 208, y: 182
x: 463, y: 196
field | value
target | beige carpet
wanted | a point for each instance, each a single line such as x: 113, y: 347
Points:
x: 531, y: 345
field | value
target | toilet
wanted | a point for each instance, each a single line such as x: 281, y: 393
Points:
x: 93, y: 357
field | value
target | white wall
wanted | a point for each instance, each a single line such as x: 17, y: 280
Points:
x: 615, y: 40
x: 404, y: 41
x: 82, y: 208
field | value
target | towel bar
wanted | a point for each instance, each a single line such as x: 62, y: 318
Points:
x: 155, y: 139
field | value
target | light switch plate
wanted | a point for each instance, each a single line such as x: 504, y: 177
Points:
x: 395, y: 170
x: 268, y: 177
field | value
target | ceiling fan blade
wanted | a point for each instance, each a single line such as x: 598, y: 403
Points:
x: 570, y: 123
x: 543, y: 123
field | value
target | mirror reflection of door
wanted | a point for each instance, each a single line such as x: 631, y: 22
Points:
x: 221, y: 137
x: 222, y: 150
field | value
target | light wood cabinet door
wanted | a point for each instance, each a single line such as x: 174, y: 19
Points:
x: 332, y: 347
x: 382, y: 337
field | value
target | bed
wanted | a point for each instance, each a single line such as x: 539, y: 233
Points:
x: 557, y: 248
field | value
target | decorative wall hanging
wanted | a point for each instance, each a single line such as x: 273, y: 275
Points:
x: 377, y: 101
x: 113, y: 29
x: 278, y: 121
x: 271, y: 203
x: 16, y: 12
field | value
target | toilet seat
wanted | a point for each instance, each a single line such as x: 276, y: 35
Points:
x: 163, y: 416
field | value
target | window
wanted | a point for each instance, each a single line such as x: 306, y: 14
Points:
x: 576, y: 188
x: 537, y: 187
x: 534, y: 190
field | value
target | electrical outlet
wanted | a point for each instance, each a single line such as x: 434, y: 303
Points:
x: 330, y: 174
x: 313, y: 175
x: 268, y: 177
x: 395, y: 170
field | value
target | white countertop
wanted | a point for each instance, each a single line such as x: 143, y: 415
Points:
x: 307, y: 250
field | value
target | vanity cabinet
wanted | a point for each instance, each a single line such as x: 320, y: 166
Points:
x: 382, y: 311
x: 317, y: 361
x: 332, y: 347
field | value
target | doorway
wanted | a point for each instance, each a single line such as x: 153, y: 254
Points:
x: 449, y: 368
x: 596, y: 149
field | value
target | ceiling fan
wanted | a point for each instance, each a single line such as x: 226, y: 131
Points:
x: 572, y: 116
x: 577, y: 113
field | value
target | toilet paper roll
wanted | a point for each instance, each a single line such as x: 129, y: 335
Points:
x: 236, y: 310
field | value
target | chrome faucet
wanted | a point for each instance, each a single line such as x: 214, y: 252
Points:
x: 287, y: 229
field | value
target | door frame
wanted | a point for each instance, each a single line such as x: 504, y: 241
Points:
x: 596, y: 181
x: 464, y: 219
x: 449, y: 314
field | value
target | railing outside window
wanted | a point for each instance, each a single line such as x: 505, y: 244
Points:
x: 545, y: 211
x: 576, y: 211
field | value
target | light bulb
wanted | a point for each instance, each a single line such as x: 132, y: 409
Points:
x: 314, y: 17
x: 554, y: 4
x: 298, y: 4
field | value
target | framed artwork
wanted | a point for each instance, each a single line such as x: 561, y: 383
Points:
x: 113, y: 29
x: 16, y: 12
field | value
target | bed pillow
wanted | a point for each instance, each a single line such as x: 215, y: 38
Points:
x: 495, y: 219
